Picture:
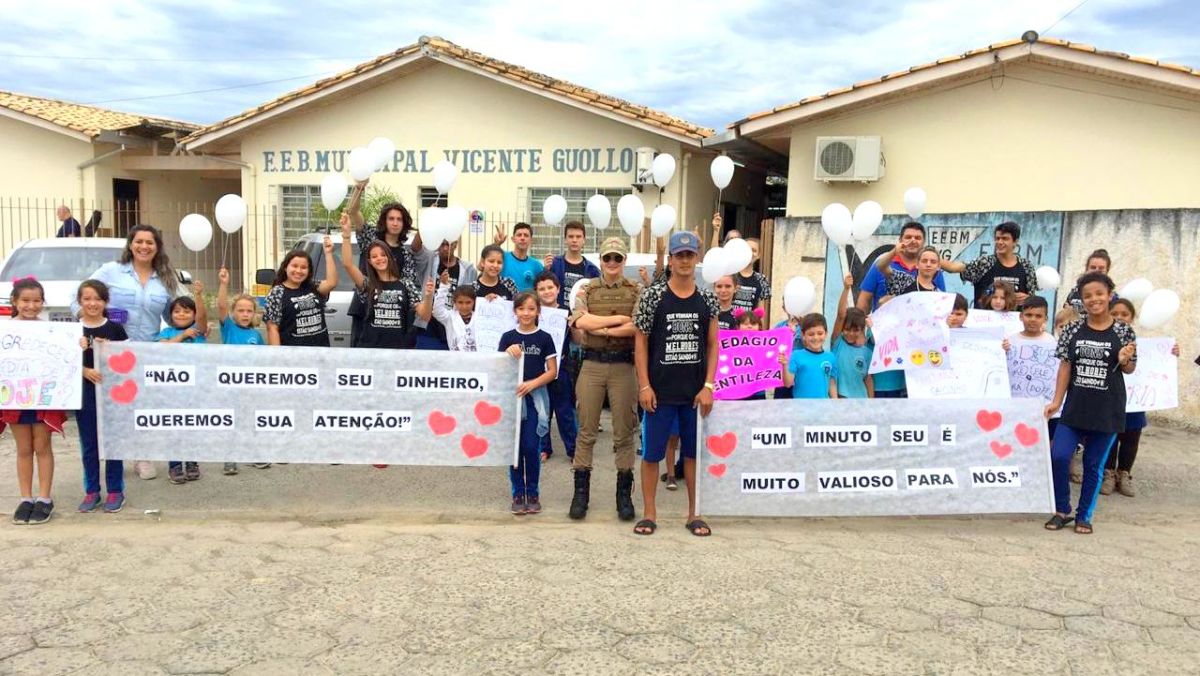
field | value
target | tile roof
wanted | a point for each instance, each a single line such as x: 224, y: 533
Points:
x: 445, y: 48
x: 974, y: 52
x: 88, y: 120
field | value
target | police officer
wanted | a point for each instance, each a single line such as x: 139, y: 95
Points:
x: 604, y: 315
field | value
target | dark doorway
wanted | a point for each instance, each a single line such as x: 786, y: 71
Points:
x: 729, y: 219
x: 126, y: 195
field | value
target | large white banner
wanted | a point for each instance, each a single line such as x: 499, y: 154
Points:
x: 1154, y: 384
x: 911, y: 334
x: 868, y: 457
x: 41, y: 365
x: 233, y: 403
x: 979, y: 369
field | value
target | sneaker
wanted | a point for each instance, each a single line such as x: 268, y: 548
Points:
x: 91, y: 502
x: 21, y: 516
x: 518, y: 505
x: 1125, y: 484
x: 260, y: 465
x: 145, y: 470
x: 191, y: 470
x: 230, y: 469
x: 176, y: 475
x: 1109, y: 482
x: 1077, y: 467
x: 41, y: 513
x: 114, y: 503
x: 533, y: 505
x: 672, y: 484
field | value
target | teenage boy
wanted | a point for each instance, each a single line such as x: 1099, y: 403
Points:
x: 1003, y: 266
x: 676, y: 356
x: 519, y: 266
x: 571, y: 266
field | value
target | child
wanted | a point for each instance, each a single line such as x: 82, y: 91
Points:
x: 724, y: 289
x: 958, y: 314
x: 237, y: 328
x: 792, y: 323
x: 812, y: 371
x: 388, y: 300
x: 1094, y: 354
x: 851, y: 350
x: 1003, y: 298
x: 92, y: 298
x: 295, y: 312
x: 460, y: 333
x: 188, y: 322
x: 747, y: 320
x: 490, y: 285
x: 539, y: 369
x: 31, y: 429
x: 560, y: 390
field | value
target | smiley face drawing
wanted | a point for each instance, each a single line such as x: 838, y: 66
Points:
x: 917, y: 358
x: 935, y: 358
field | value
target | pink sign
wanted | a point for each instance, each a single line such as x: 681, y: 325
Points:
x: 748, y: 361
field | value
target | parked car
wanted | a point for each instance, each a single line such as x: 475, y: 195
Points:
x: 337, y: 310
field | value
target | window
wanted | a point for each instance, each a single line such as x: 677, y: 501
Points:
x: 548, y: 239
x: 301, y: 212
x: 431, y: 198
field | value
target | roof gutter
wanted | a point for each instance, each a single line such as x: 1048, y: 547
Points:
x: 88, y: 163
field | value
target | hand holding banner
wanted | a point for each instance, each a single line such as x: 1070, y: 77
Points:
x: 979, y: 371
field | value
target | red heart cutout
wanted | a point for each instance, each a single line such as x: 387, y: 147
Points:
x: 722, y: 446
x: 1000, y: 450
x: 887, y: 361
x: 123, y: 362
x: 440, y: 423
x: 988, y: 420
x: 487, y: 414
x: 717, y: 470
x: 125, y: 392
x: 1026, y: 435
x: 473, y: 446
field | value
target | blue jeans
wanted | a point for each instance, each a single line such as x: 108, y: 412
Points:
x: 525, y: 475
x: 1096, y: 446
x: 562, y: 408
x: 114, y: 470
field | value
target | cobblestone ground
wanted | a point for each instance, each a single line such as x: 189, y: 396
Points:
x: 354, y: 570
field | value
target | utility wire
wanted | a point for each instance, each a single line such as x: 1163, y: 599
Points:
x: 140, y: 59
x: 209, y: 91
x: 1060, y: 19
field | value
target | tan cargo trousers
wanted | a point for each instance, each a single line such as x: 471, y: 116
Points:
x: 619, y: 382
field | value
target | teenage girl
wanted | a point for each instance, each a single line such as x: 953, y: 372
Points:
x: 92, y: 298
x: 490, y: 285
x: 295, y: 312
x: 388, y: 300
x: 237, y: 328
x: 724, y: 289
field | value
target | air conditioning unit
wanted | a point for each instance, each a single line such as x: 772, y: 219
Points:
x: 848, y: 158
x: 644, y: 174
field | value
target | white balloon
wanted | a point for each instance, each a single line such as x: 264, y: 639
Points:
x: 799, y: 296
x: 383, y: 150
x: 1160, y: 306
x: 431, y: 226
x: 231, y: 213
x: 195, y: 231
x: 662, y: 219
x: 599, y: 211
x: 867, y: 217
x: 663, y: 169
x: 721, y: 171
x: 361, y: 164
x: 1136, y: 290
x: 837, y: 223
x: 715, y: 264
x: 444, y: 176
x: 1048, y: 278
x: 454, y: 220
x: 914, y: 202
x: 740, y: 254
x: 631, y: 212
x: 554, y: 209
x: 333, y: 191
x: 574, y: 296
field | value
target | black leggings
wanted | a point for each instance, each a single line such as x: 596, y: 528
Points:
x: 1124, y: 451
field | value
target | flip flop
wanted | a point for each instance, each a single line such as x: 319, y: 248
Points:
x: 695, y: 525
x: 1083, y: 528
x: 645, y: 527
x: 1058, y: 522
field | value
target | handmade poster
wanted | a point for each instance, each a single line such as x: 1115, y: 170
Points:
x: 1010, y: 322
x: 41, y: 365
x: 748, y: 361
x: 979, y: 370
x: 1032, y: 370
x: 911, y: 334
x: 874, y: 457
x: 553, y: 321
x: 233, y: 403
x: 494, y: 318
x: 1154, y: 384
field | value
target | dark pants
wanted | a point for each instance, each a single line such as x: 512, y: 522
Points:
x: 562, y: 408
x: 114, y: 470
x: 891, y: 394
x: 525, y: 475
x: 1096, y: 446
x: 1125, y: 451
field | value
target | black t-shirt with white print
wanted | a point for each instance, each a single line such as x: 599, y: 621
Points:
x: 504, y: 288
x: 982, y: 274
x: 388, y: 314
x: 1096, y: 392
x: 726, y: 320
x: 299, y: 314
x: 751, y: 290
x: 677, y: 333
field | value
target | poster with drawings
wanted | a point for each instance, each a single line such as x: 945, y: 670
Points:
x: 495, y: 317
x: 979, y: 370
x: 911, y: 334
x: 1032, y: 369
x: 1009, y: 321
x: 1154, y: 384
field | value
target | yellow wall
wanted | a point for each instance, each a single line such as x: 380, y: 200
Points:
x: 1040, y: 139
x: 39, y: 163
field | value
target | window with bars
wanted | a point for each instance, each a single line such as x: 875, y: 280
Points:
x: 430, y: 198
x: 301, y: 212
x: 548, y: 239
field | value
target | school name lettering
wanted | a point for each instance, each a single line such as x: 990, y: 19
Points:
x: 609, y: 160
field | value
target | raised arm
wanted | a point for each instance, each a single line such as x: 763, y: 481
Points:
x: 348, y: 261
x: 201, y: 307
x: 884, y: 262
x: 223, y: 294
x: 716, y: 231
x: 840, y: 321
x: 425, y: 307
x: 953, y: 266
x: 331, y: 274
x: 354, y: 208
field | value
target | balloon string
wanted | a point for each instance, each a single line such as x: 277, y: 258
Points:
x: 225, y: 250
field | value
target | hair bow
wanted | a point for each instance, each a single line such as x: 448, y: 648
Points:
x: 21, y: 279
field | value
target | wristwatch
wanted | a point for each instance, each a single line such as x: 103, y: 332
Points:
x: 711, y: 386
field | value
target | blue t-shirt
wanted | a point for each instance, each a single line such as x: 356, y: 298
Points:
x: 232, y: 334
x: 852, y: 364
x: 170, y: 332
x: 538, y: 347
x: 522, y: 272
x: 812, y: 371
x: 876, y: 283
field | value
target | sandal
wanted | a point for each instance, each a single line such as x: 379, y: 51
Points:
x: 696, y: 525
x: 1083, y: 528
x: 645, y: 527
x: 1058, y: 522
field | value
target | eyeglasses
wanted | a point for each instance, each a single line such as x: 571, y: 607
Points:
x: 613, y: 258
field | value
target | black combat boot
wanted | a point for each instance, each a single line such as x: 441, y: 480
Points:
x: 583, y: 491
x: 625, y: 495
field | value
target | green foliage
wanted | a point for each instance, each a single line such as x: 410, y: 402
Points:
x: 372, y: 202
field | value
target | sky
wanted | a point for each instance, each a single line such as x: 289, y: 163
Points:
x: 708, y: 62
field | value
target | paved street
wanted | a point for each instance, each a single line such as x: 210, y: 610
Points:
x: 306, y: 569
